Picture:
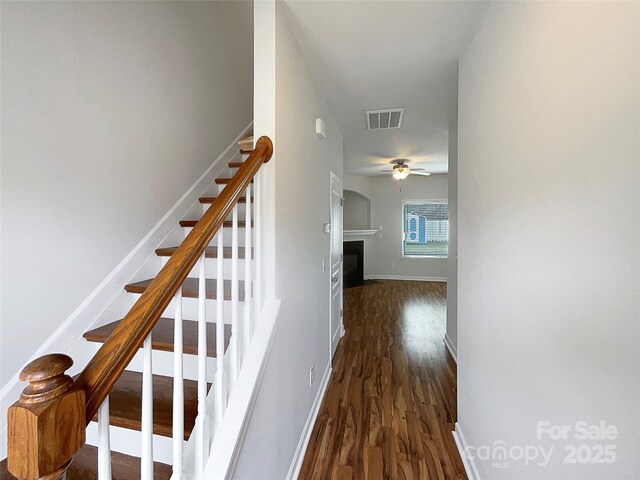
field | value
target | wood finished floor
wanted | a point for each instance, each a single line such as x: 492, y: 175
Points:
x: 390, y: 406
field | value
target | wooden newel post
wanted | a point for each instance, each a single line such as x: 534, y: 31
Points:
x: 46, y: 427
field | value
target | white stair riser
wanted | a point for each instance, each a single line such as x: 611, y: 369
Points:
x: 211, y: 268
x: 163, y: 365
x: 129, y: 442
x: 241, y: 206
x: 221, y: 187
x: 190, y: 309
x: 227, y: 237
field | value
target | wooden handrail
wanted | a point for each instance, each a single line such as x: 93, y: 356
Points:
x: 105, y: 368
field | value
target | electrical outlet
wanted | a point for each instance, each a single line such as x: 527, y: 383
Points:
x: 393, y: 265
x: 311, y: 374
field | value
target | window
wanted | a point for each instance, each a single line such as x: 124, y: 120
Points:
x: 426, y: 229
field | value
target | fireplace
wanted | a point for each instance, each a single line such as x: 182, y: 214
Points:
x: 353, y: 263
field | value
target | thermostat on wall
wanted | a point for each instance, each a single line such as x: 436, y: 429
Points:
x: 321, y: 128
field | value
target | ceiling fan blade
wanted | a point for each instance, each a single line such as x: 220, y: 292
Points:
x: 386, y: 171
x: 418, y: 170
x: 424, y: 174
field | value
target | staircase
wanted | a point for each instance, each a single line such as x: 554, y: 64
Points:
x: 170, y: 396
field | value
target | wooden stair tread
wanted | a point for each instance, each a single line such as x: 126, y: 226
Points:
x: 125, y: 404
x: 246, y: 142
x: 235, y: 164
x: 212, y: 199
x: 85, y: 467
x: 190, y: 288
x: 226, y: 224
x: 210, y: 252
x: 162, y: 337
x: 246, y: 151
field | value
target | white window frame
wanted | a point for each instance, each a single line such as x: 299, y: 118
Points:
x: 404, y: 202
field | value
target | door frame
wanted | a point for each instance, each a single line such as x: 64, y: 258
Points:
x: 334, y: 178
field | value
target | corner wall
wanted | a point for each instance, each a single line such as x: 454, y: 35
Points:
x: 110, y: 111
x: 302, y: 163
x: 549, y: 229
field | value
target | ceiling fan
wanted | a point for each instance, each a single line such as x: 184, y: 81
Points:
x: 401, y: 170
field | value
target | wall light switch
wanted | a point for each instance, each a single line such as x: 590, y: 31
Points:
x: 324, y: 264
x: 321, y: 128
x: 327, y: 228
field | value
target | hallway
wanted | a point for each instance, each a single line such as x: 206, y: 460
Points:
x: 390, y: 405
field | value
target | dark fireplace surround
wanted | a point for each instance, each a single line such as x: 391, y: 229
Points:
x: 353, y: 263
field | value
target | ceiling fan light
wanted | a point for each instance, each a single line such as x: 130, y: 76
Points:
x: 400, y: 174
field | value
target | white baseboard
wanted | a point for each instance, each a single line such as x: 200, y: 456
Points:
x: 68, y: 335
x: 467, y: 460
x: 303, y: 443
x: 405, y: 277
x: 451, y: 347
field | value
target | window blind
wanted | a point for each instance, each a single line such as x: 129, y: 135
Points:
x: 426, y: 229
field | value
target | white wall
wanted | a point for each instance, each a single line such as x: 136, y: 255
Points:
x: 110, y: 111
x: 549, y: 224
x: 359, y: 183
x: 452, y: 260
x: 302, y: 162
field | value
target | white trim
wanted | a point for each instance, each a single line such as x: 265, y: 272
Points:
x: 69, y: 333
x: 303, y: 443
x: 333, y: 178
x: 225, y: 451
x: 467, y: 460
x: 405, y: 277
x: 451, y: 347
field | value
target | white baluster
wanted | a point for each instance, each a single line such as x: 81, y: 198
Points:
x: 247, y: 327
x: 104, y: 444
x: 202, y: 422
x: 178, y: 389
x: 221, y: 395
x: 146, y: 462
x: 235, y: 334
x: 257, y: 289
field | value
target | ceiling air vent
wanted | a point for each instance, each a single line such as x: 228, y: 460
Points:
x: 384, y: 119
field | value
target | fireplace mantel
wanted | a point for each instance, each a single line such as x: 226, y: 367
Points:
x: 358, y: 233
